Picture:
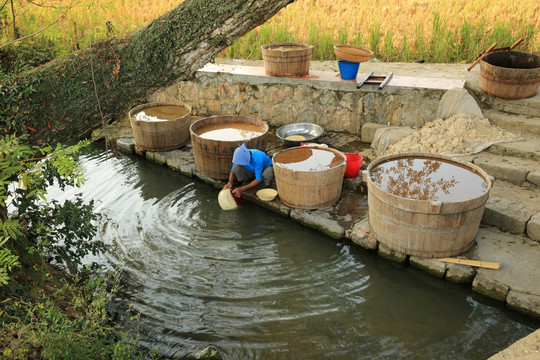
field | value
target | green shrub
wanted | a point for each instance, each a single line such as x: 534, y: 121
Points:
x: 64, y: 319
x: 63, y: 232
x: 26, y: 54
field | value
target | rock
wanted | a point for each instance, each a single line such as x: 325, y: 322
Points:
x: 210, y: 353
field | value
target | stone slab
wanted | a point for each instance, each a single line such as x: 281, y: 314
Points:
x: 513, y: 122
x: 434, y: 267
x: 534, y: 177
x: 510, y: 207
x: 460, y: 273
x: 183, y: 162
x: 533, y: 228
x: 361, y: 234
x: 511, y: 169
x: 274, y: 205
x: 126, y: 145
x: 528, y: 148
x: 319, y: 220
x: 524, y: 302
x: 391, y: 254
x: 159, y: 157
x: 519, y: 258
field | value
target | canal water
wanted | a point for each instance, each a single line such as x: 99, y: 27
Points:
x: 259, y: 286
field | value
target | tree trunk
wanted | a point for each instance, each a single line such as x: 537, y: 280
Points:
x: 125, y: 70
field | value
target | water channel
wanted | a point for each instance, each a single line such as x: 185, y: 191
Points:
x: 260, y: 286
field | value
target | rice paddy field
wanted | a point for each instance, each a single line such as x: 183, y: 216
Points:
x: 395, y: 30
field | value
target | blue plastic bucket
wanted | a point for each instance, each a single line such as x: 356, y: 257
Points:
x: 348, y: 69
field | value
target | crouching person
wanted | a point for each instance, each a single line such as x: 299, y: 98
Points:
x: 250, y: 168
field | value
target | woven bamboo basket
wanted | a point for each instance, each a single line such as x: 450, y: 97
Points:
x: 352, y: 53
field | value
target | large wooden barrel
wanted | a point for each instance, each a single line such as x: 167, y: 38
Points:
x: 213, y: 157
x: 405, y: 217
x: 165, y: 126
x: 305, y: 186
x: 287, y: 59
x: 510, y: 74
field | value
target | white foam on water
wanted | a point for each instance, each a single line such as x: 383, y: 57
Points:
x: 230, y: 134
x: 142, y: 116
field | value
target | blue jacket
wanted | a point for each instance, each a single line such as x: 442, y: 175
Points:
x: 258, y: 162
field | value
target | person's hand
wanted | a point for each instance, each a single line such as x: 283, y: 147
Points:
x: 237, y: 192
x: 227, y: 186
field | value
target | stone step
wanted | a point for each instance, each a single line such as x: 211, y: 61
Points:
x: 515, y: 170
x: 526, y: 148
x: 513, y: 209
x: 528, y: 107
x: 518, y: 124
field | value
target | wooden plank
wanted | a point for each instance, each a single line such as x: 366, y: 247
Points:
x: 476, y: 263
x: 387, y: 80
x: 362, y: 81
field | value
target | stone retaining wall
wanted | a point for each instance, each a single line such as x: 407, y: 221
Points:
x: 332, y: 103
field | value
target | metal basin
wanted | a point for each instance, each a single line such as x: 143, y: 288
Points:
x: 309, y: 132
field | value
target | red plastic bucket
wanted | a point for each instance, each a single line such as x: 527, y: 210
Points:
x: 354, y: 161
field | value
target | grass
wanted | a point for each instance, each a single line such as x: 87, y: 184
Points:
x: 47, y: 315
x: 396, y: 30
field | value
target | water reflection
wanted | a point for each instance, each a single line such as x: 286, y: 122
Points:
x: 428, y: 179
x: 260, y: 286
